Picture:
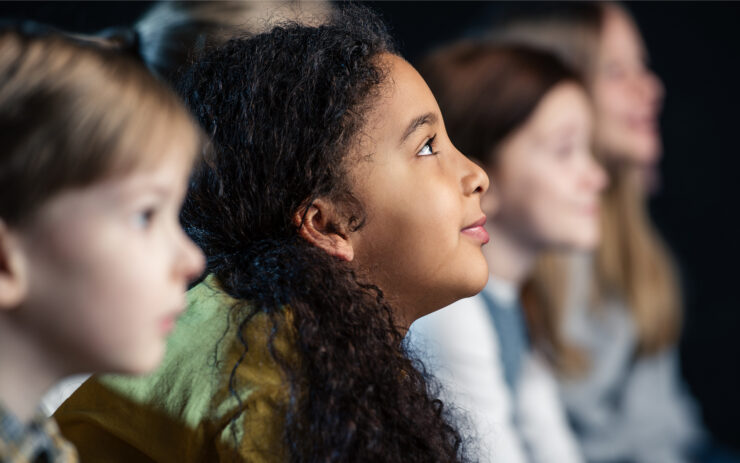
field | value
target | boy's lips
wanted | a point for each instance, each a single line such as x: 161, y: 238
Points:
x: 167, y: 323
x: 477, y: 231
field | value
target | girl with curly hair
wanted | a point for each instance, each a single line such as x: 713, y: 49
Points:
x: 333, y: 210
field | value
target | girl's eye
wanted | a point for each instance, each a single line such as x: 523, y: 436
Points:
x: 427, y: 149
x: 143, y: 219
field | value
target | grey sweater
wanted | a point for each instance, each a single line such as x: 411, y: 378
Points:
x: 624, y: 409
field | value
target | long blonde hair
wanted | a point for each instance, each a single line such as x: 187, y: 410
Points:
x: 631, y: 264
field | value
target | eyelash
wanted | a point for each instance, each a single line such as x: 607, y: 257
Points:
x: 144, y: 218
x: 430, y: 144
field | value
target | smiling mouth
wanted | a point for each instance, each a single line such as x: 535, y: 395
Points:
x: 477, y: 231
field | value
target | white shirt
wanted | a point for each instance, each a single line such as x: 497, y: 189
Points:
x: 459, y: 345
x: 61, y: 391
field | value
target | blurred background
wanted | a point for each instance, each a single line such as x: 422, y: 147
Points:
x: 694, y: 50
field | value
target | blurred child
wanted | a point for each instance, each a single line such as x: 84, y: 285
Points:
x: 617, y: 311
x: 171, y: 35
x: 93, y: 263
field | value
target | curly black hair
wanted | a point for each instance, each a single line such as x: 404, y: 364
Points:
x: 283, y: 109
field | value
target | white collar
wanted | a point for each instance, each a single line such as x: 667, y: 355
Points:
x: 504, y: 292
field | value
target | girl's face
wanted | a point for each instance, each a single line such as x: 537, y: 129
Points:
x: 422, y: 241
x: 108, y: 267
x: 547, y: 181
x: 627, y: 95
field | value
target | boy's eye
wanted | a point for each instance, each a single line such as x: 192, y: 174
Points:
x: 564, y: 151
x: 144, y: 218
x: 427, y: 149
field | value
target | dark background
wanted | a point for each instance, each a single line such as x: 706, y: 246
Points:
x: 695, y: 50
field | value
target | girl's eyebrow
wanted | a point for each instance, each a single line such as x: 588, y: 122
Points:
x: 428, y: 118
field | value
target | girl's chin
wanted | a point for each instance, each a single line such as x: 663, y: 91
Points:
x: 587, y: 244
x: 585, y: 241
x: 646, y: 149
x: 637, y: 148
x: 478, y: 280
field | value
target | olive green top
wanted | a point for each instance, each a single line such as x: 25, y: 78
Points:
x: 185, y: 412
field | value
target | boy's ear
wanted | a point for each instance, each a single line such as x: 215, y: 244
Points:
x: 13, y: 273
x: 319, y: 225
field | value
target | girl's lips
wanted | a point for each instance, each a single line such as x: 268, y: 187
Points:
x: 476, y: 231
x: 479, y: 233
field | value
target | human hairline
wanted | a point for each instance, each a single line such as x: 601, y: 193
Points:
x: 74, y: 114
x: 296, y: 109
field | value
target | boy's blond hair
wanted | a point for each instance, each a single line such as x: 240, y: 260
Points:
x: 72, y: 114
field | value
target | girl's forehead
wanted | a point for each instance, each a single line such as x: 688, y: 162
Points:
x: 404, y: 95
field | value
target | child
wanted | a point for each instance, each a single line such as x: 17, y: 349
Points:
x: 622, y: 312
x: 169, y: 36
x: 527, y: 119
x: 333, y: 212
x: 93, y: 263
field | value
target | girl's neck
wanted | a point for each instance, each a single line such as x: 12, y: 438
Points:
x: 26, y: 370
x: 509, y: 258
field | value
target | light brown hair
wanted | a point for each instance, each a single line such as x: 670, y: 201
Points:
x: 72, y: 114
x: 487, y: 91
x: 632, y: 264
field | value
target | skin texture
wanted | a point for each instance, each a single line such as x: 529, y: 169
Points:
x: 627, y: 95
x: 109, y: 265
x: 419, y: 193
x: 547, y: 180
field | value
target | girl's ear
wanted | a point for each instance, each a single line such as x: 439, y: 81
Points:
x: 13, y: 269
x: 318, y: 224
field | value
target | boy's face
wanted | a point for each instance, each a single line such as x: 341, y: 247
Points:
x: 107, y: 268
